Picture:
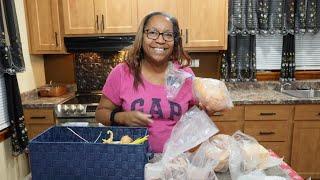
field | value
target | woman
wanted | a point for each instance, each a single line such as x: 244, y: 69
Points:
x: 138, y: 85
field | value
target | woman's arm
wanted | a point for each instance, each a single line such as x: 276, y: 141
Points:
x: 129, y: 118
x: 104, y: 110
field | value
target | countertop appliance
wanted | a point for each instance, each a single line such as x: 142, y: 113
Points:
x: 94, y: 58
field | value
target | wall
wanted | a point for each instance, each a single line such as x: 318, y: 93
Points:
x: 16, y: 168
x: 34, y: 75
x: 209, y: 66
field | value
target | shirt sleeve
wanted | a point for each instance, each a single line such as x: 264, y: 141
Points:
x: 112, y: 86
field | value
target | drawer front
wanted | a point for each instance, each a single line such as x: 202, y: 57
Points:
x: 280, y: 148
x: 307, y: 112
x: 229, y: 127
x: 267, y: 131
x: 268, y: 112
x: 235, y: 114
x: 39, y: 116
x: 35, y: 129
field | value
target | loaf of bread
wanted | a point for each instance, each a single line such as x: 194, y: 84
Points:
x: 212, y: 93
x: 254, y: 155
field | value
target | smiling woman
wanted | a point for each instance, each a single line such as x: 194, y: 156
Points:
x: 134, y: 93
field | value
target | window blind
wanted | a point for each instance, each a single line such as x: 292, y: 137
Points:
x: 269, y: 52
x: 4, y: 118
x: 307, y: 51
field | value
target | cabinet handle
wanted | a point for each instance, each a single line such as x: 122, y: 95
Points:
x: 186, y: 36
x: 217, y: 114
x: 37, y: 117
x: 56, y: 36
x: 102, y: 22
x: 268, y: 114
x: 266, y: 132
x: 97, y: 22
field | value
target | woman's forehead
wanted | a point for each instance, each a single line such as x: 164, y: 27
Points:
x: 160, y: 22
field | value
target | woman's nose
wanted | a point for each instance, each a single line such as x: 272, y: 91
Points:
x: 160, y: 39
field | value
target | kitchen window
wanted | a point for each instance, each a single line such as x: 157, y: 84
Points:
x: 307, y: 52
x: 4, y: 118
x: 269, y: 52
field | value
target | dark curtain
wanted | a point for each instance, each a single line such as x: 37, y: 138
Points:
x: 273, y: 16
x: 266, y: 17
x: 239, y: 62
x: 288, y: 60
x: 12, y: 62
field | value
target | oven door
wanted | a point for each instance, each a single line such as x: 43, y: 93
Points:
x: 86, y: 121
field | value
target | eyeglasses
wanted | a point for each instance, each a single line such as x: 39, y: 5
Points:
x: 154, y: 34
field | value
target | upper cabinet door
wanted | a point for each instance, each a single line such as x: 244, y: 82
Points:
x: 80, y: 17
x: 44, y: 26
x: 117, y: 16
x: 205, y: 23
x: 147, y: 6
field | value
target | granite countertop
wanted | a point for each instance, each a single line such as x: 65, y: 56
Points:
x: 267, y: 93
x: 242, y: 93
x: 31, y: 99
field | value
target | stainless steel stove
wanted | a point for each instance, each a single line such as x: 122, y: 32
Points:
x: 80, y: 106
x: 94, y: 58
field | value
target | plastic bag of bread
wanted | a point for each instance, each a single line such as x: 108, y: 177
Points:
x: 212, y: 94
x: 193, y: 128
x: 218, y: 149
x: 174, y: 80
x: 247, y: 155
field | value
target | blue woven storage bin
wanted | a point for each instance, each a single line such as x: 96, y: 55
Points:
x: 59, y: 154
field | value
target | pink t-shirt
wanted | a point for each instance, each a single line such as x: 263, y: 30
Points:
x: 151, y: 99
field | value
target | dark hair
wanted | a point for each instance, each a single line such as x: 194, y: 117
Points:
x: 136, y: 53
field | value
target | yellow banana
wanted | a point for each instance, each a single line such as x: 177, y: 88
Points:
x: 140, y: 140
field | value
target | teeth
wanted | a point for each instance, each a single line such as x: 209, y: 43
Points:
x: 159, y: 50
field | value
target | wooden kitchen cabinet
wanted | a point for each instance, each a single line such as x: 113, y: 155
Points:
x: 44, y: 27
x: 38, y: 120
x: 228, y: 122
x: 203, y: 23
x: 271, y: 126
x: 146, y: 6
x: 99, y: 16
x: 305, y: 141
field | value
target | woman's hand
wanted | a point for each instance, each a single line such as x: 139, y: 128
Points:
x: 135, y: 118
x: 209, y: 112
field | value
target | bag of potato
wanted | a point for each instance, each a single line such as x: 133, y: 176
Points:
x: 212, y: 94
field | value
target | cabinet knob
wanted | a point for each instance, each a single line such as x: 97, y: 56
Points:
x: 186, y: 36
x: 266, y: 132
x: 268, y: 114
x: 102, y: 22
x: 97, y: 22
x: 56, y: 36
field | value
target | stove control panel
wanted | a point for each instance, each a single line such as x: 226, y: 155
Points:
x: 75, y: 110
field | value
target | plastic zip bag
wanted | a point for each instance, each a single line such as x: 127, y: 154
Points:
x: 175, y: 79
x: 194, y: 127
x: 212, y: 94
x: 247, y: 155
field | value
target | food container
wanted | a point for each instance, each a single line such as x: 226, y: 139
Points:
x: 52, y: 90
x: 58, y: 153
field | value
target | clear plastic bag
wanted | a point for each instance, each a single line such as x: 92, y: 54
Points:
x: 175, y: 79
x: 219, y: 150
x: 194, y: 127
x: 212, y: 94
x: 247, y: 155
